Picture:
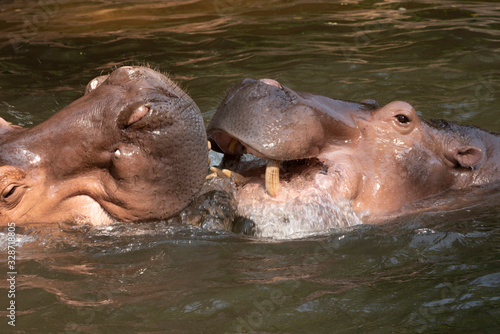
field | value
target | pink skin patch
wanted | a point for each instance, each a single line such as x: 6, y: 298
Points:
x: 94, y: 84
x: 271, y: 82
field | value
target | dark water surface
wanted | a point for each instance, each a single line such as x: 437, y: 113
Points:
x: 431, y: 272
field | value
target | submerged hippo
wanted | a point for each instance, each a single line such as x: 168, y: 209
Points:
x: 133, y: 148
x: 335, y: 163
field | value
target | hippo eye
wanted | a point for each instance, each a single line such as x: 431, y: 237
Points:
x: 402, y: 119
x: 9, y: 191
x: 13, y: 194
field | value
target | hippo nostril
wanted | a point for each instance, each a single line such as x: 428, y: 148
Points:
x: 131, y: 71
x: 138, y: 114
x: 248, y: 81
x: 271, y: 82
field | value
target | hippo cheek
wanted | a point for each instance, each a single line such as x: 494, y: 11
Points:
x: 143, y: 187
x: 128, y: 163
x: 27, y: 197
x: 162, y: 161
x: 134, y: 177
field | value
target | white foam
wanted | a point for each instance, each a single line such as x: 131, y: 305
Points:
x: 309, y: 214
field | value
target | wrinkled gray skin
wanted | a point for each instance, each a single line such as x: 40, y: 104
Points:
x: 380, y: 160
x: 133, y: 148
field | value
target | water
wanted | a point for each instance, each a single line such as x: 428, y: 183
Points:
x: 435, y: 272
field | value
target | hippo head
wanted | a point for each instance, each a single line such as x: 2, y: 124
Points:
x: 324, y: 150
x: 133, y: 148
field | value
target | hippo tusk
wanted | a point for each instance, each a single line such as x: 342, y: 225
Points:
x: 209, y: 148
x: 273, y: 186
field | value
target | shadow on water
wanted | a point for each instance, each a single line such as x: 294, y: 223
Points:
x: 432, y: 271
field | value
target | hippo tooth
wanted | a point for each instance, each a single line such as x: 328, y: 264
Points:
x: 117, y: 153
x: 232, y: 146
x: 216, y: 172
x: 273, y: 186
x: 210, y: 176
x: 238, y: 178
x: 209, y: 148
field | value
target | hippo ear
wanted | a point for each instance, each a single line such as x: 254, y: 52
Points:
x: 464, y: 156
x: 6, y: 126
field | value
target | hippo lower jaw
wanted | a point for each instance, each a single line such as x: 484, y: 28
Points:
x: 315, y: 194
x: 93, y: 200
x: 77, y: 207
x: 81, y: 201
x: 90, y: 211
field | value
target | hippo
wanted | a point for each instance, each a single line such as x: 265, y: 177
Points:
x: 303, y: 162
x: 133, y: 148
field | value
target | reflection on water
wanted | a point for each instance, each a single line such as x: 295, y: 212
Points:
x: 431, y: 272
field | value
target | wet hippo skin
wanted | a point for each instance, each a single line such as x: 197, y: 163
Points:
x: 133, y: 148
x: 379, y: 159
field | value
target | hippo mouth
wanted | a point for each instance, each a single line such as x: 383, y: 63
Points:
x: 249, y: 168
x: 280, y: 179
x: 287, y: 129
x: 290, y: 156
x: 288, y: 198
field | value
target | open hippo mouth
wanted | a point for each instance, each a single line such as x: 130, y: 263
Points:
x: 284, y: 199
x: 286, y: 128
x: 279, y: 179
x: 274, y: 143
x: 294, y: 134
